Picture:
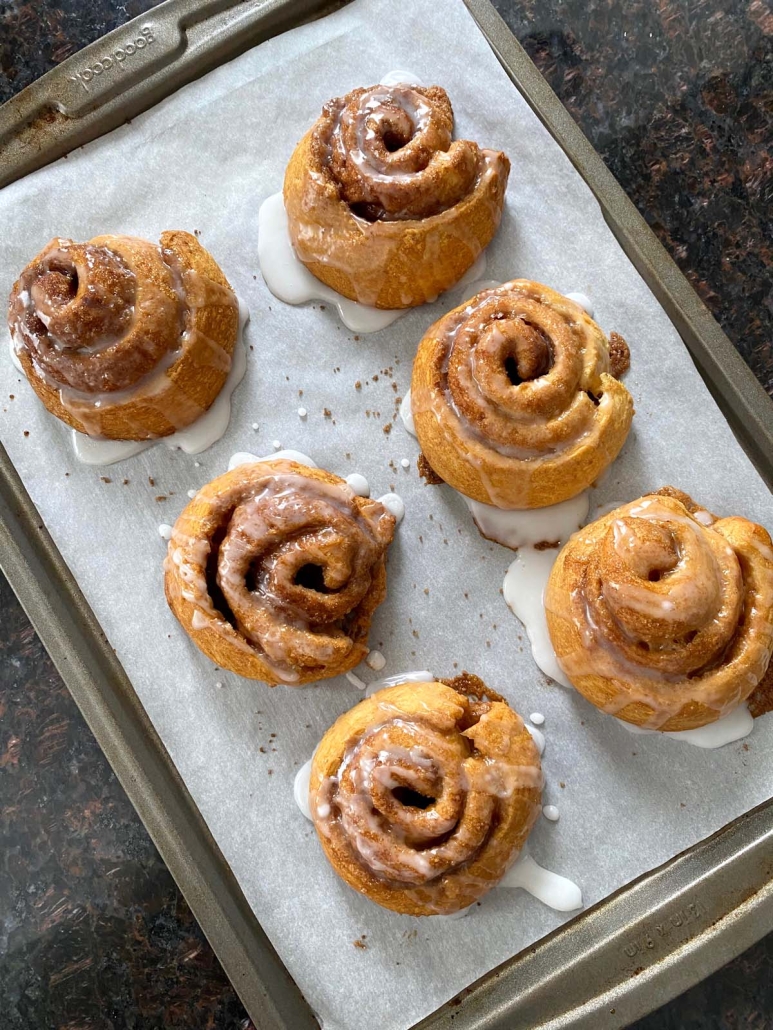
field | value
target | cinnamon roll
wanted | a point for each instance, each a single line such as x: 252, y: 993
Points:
x: 662, y: 614
x: 122, y: 338
x: 275, y: 569
x: 383, y: 205
x: 512, y: 399
x: 423, y: 796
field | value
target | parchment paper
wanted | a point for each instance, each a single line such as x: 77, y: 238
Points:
x: 204, y: 160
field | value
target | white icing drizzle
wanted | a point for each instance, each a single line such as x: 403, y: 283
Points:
x: 551, y: 813
x: 395, y: 504
x: 289, y: 279
x: 358, y: 484
x: 731, y: 727
x: 524, y: 586
x: 247, y: 458
x: 555, y: 891
x: 165, y: 531
x: 537, y: 718
x: 582, y: 300
x: 195, y: 438
x: 406, y: 414
x: 301, y: 788
x: 422, y: 676
x: 526, y: 528
x: 211, y: 426
x: 375, y: 660
x: 356, y: 681
x: 14, y: 356
x: 454, y: 915
x: 397, y: 78
x: 537, y: 736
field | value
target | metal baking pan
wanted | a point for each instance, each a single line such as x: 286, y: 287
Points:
x: 612, y: 963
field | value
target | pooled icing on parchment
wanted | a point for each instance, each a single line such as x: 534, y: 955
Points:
x: 557, y: 892
x: 289, y: 279
x: 727, y: 730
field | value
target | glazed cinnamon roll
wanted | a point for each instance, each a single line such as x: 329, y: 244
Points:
x: 423, y: 796
x: 662, y: 614
x: 122, y: 338
x: 275, y: 569
x: 383, y: 205
x: 512, y: 399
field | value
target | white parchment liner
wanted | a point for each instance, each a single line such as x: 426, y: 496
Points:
x: 205, y: 159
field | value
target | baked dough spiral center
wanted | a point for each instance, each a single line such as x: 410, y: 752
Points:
x: 276, y: 569
x: 666, y: 588
x: 391, y: 769
x: 90, y: 322
x: 516, y: 371
x: 392, y: 155
x: 295, y: 560
x: 662, y: 618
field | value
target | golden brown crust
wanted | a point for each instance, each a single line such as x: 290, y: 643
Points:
x: 154, y: 351
x: 661, y: 617
x: 761, y: 698
x: 274, y: 570
x: 512, y: 400
x: 422, y: 799
x: 391, y: 240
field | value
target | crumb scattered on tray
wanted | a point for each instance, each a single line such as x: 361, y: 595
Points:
x: 619, y: 355
x: 470, y: 685
x: 427, y: 473
x: 681, y: 496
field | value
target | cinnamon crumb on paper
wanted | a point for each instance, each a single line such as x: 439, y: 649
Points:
x: 619, y: 355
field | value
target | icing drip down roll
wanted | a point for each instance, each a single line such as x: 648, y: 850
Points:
x: 423, y: 796
x: 662, y: 615
x: 512, y: 398
x: 275, y: 569
x: 383, y: 204
x: 122, y: 338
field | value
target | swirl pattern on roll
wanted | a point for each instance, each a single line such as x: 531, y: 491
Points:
x: 383, y: 204
x: 124, y: 338
x: 422, y: 797
x: 391, y: 152
x: 275, y: 570
x: 663, y: 618
x: 512, y: 399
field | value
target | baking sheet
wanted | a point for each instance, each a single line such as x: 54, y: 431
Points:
x: 205, y: 159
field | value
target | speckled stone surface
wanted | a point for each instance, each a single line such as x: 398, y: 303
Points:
x: 677, y: 96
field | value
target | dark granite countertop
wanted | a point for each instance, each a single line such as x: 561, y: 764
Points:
x: 677, y: 96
